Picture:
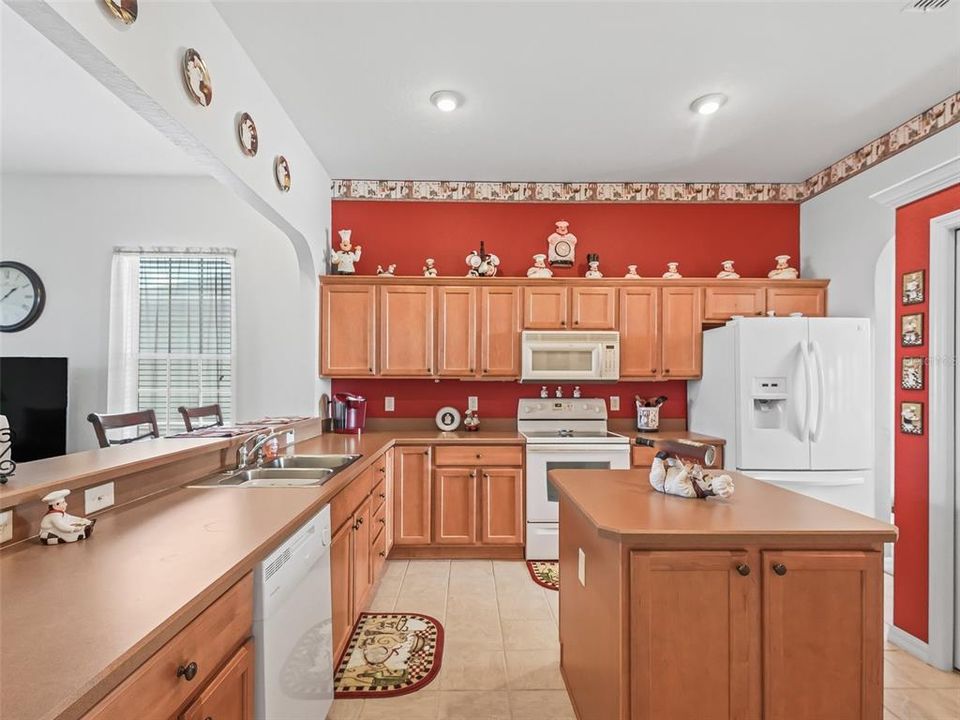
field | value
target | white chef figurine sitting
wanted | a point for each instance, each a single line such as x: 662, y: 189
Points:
x: 671, y: 476
x: 57, y: 526
x: 346, y: 256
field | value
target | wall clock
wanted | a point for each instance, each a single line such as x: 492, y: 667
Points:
x: 21, y: 296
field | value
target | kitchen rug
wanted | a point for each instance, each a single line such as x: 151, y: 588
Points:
x: 389, y: 654
x: 545, y: 573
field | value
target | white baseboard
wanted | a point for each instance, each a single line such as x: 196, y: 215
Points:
x: 913, y: 645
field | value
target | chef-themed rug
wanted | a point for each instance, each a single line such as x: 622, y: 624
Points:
x: 545, y: 572
x: 389, y: 654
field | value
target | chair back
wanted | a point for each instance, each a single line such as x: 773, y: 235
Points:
x: 101, y: 423
x: 198, y: 413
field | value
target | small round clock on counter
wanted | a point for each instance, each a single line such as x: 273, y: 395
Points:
x: 448, y: 418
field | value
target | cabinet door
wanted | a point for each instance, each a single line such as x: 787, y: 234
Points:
x: 388, y: 501
x: 639, y: 332
x: 362, y: 538
x: 501, y: 506
x: 500, y: 332
x: 545, y: 308
x: 455, y: 506
x: 341, y: 586
x: 681, y: 332
x: 406, y: 330
x: 594, y: 308
x: 822, y: 635
x: 812, y: 302
x: 348, y: 333
x: 457, y: 331
x: 694, y: 615
x: 229, y: 695
x: 411, y: 495
x: 722, y: 303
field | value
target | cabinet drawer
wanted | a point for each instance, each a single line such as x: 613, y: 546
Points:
x: 378, y: 495
x: 378, y: 521
x: 154, y: 689
x: 378, y: 556
x: 379, y: 469
x: 474, y: 455
x: 348, y: 500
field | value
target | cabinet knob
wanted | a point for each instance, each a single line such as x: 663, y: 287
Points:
x: 471, y: 370
x: 486, y: 476
x: 486, y: 370
x: 383, y: 496
x: 780, y: 569
x: 383, y: 521
x: 382, y: 554
x: 473, y: 474
x: 188, y: 672
x: 576, y: 322
x: 743, y: 569
x: 653, y: 370
x: 478, y: 456
x: 426, y: 452
x: 666, y: 372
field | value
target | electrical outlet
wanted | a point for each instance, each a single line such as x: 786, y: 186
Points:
x: 6, y: 526
x: 614, y: 402
x: 388, y: 404
x: 473, y: 402
x: 582, y: 567
x: 98, y: 498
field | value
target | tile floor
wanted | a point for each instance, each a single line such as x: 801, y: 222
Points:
x: 501, y: 654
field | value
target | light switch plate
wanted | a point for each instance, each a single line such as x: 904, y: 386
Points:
x: 614, y: 402
x: 6, y: 526
x: 388, y: 404
x: 98, y: 498
x: 473, y: 402
x: 581, y: 567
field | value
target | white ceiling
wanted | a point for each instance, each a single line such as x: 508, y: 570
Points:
x: 596, y: 91
x: 57, y: 119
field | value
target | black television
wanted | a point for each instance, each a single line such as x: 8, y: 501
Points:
x: 33, y: 397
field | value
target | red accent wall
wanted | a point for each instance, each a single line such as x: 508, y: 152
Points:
x: 911, y: 581
x: 698, y: 236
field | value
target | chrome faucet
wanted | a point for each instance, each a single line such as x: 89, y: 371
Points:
x: 244, y: 453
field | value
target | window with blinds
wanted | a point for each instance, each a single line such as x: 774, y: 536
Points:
x: 185, y: 335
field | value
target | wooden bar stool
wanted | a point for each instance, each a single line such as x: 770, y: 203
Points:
x: 198, y: 413
x: 102, y: 423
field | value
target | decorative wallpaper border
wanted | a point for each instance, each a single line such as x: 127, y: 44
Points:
x: 918, y: 128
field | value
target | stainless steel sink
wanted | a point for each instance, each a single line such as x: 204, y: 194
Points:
x: 334, y: 462
x: 290, y: 471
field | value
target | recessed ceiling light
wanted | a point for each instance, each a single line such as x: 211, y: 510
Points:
x: 708, y: 104
x: 446, y: 100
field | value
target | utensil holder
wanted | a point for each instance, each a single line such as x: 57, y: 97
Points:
x: 648, y: 418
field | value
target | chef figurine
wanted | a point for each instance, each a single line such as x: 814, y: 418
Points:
x: 471, y: 421
x: 430, y: 268
x: 632, y: 272
x: 562, y: 245
x: 544, y: 393
x: 539, y: 268
x: 346, y: 256
x: 728, y: 273
x: 57, y: 526
x: 388, y: 272
x: 783, y: 271
x: 673, y: 271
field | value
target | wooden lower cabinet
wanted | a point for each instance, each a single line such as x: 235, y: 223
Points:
x: 362, y: 580
x: 501, y: 506
x: 229, y: 695
x: 412, y: 509
x: 455, y: 506
x: 341, y: 586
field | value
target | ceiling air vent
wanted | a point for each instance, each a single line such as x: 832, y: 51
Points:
x: 924, y: 6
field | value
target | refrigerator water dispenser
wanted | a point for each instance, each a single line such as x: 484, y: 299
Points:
x: 769, y: 402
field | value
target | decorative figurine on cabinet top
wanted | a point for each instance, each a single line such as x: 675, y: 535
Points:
x: 673, y: 271
x: 593, y: 265
x: 346, y: 256
x: 430, y: 267
x: 471, y: 421
x: 539, y: 268
x: 57, y: 526
x: 632, y: 273
x: 783, y: 271
x: 388, y: 272
x: 481, y: 263
x: 728, y: 273
x: 562, y: 245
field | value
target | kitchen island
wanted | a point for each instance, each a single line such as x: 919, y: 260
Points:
x: 768, y: 604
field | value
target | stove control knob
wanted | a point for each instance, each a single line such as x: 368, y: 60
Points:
x: 596, y: 409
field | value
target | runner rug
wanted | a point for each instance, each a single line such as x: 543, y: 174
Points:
x: 389, y: 654
x: 545, y: 572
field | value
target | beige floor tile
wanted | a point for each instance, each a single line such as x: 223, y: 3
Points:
x: 923, y: 704
x: 478, y: 630
x: 534, y: 669
x: 522, y: 605
x: 540, y: 705
x: 474, y: 705
x: 887, y: 715
x: 472, y: 669
x: 530, y: 634
x: 394, y: 569
x: 345, y: 710
x: 386, y: 596
x: 902, y: 670
x: 460, y: 602
x: 428, y: 568
x: 553, y: 600
x: 421, y: 705
x: 471, y: 568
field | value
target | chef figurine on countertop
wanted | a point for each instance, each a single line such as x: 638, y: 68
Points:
x: 57, y: 526
x: 346, y: 256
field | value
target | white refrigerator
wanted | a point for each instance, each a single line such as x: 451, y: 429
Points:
x: 793, y: 397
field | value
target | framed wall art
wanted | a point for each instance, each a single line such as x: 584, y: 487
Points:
x: 911, y: 418
x: 911, y: 330
x: 911, y: 373
x: 913, y: 288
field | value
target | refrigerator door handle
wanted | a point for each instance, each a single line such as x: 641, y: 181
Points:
x: 808, y: 383
x: 821, y: 390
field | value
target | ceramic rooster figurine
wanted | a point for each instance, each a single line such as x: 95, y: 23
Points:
x: 671, y: 476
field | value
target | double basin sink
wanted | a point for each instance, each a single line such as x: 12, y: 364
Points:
x: 287, y: 471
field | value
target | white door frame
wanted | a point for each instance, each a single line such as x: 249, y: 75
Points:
x: 942, y: 431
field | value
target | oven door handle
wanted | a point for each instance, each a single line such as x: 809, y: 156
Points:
x: 576, y: 448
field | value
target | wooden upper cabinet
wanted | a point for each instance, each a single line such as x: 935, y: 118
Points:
x: 722, y: 303
x: 411, y: 495
x: 500, y: 332
x: 501, y: 506
x: 455, y: 506
x: 594, y: 308
x: 406, y: 330
x: 348, y: 334
x: 229, y: 695
x: 457, y: 331
x: 639, y: 332
x: 545, y: 308
x: 812, y: 302
x: 681, y: 332
x: 695, y: 609
x: 822, y: 635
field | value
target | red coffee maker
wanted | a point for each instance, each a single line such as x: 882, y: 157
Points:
x: 349, y: 413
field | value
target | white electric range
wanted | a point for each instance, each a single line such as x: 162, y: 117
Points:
x: 562, y: 434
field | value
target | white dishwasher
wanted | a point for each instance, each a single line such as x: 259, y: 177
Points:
x: 292, y: 626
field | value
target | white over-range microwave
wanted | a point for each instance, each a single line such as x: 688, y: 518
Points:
x: 570, y: 355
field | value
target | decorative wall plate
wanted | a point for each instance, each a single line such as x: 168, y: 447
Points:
x: 281, y: 168
x: 197, y: 78
x: 448, y: 418
x: 247, y: 134
x: 123, y: 10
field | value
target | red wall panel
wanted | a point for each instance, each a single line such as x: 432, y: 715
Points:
x: 911, y: 470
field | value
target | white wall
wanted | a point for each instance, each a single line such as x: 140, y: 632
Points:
x: 842, y: 237
x: 66, y: 228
